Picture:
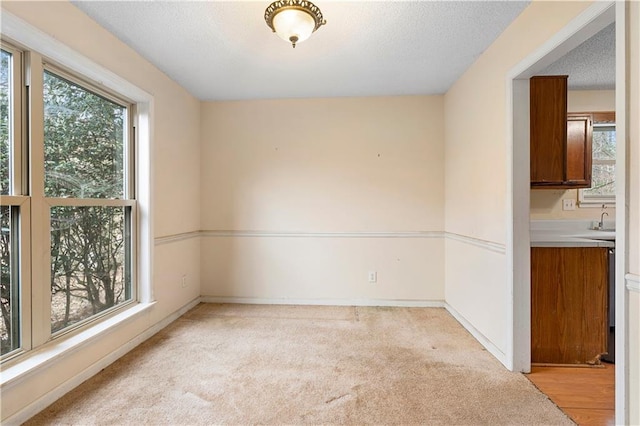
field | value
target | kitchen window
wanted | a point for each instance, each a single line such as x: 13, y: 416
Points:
x: 603, y: 174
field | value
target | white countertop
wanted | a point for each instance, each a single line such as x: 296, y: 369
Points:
x: 559, y: 233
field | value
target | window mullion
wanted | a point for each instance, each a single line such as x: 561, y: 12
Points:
x: 604, y: 162
x: 87, y: 202
x: 40, y: 226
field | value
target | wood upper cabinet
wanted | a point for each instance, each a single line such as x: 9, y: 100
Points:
x: 569, y: 297
x: 578, y: 150
x: 548, y: 122
x: 560, y: 142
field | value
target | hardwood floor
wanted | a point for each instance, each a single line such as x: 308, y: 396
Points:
x: 587, y: 395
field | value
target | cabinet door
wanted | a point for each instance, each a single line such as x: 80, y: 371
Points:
x: 568, y: 305
x: 548, y: 123
x: 578, y: 150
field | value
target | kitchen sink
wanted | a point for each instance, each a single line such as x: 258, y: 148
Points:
x: 597, y: 234
x: 605, y: 230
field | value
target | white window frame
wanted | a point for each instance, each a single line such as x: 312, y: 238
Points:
x: 29, y: 39
x: 595, y: 201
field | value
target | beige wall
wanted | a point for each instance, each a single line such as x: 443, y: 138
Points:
x: 331, y: 169
x: 475, y: 175
x: 476, y: 168
x: 633, y: 174
x: 591, y: 100
x: 475, y: 129
x: 547, y: 203
x: 175, y: 183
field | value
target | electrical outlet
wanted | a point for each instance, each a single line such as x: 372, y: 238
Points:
x: 184, y: 281
x: 568, y: 204
x: 373, y: 277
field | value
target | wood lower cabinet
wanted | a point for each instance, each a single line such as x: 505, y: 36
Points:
x: 569, y: 296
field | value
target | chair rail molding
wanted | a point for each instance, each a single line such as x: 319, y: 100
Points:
x: 633, y: 282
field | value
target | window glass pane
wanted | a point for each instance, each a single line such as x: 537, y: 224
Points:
x: 90, y: 262
x: 604, y: 143
x: 603, y: 181
x: 603, y: 173
x: 5, y: 121
x: 84, y: 142
x: 9, y: 325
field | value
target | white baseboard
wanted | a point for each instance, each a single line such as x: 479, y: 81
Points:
x: 325, y: 302
x: 43, y: 402
x: 493, y: 349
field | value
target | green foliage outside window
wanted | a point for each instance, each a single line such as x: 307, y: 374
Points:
x: 84, y: 158
x: 603, y: 172
x: 5, y: 61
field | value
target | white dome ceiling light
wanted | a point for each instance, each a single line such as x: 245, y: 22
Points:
x: 293, y: 20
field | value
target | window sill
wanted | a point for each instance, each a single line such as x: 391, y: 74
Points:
x: 30, y: 363
x: 595, y: 204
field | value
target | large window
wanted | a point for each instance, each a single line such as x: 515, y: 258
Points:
x: 68, y: 204
x: 603, y: 172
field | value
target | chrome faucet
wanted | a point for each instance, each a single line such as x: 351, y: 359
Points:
x: 601, y: 223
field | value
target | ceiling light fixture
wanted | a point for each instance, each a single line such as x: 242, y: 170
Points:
x: 293, y: 20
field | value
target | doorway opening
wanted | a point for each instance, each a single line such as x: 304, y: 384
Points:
x: 596, y: 18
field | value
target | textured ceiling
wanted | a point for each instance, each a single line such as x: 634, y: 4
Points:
x: 224, y: 50
x: 590, y: 66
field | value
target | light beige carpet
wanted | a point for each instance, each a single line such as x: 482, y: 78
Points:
x: 240, y: 364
